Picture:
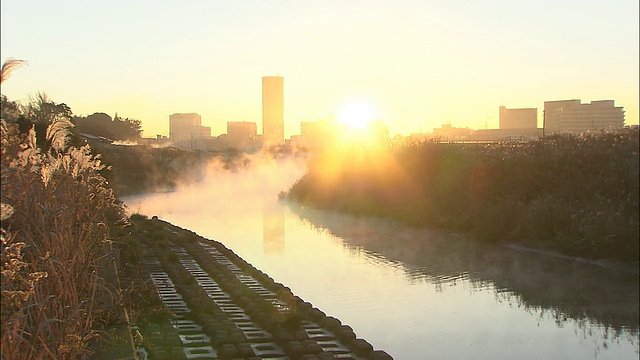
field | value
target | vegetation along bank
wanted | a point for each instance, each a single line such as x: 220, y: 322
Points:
x: 574, y: 194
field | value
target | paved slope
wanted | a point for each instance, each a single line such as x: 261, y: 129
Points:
x: 224, y: 308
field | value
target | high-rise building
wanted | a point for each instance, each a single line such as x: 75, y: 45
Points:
x: 518, y: 118
x: 573, y: 116
x: 272, y: 110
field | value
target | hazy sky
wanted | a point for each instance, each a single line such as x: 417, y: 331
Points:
x: 420, y: 64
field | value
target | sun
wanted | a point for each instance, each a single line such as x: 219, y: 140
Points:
x: 356, y: 115
x: 356, y: 122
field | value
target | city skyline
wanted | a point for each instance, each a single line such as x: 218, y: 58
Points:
x: 418, y: 65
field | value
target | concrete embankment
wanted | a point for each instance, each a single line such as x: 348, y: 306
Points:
x: 221, y: 307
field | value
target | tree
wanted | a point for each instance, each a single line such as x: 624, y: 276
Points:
x: 128, y: 129
x: 41, y: 109
x: 98, y: 124
x: 42, y: 112
x: 101, y: 124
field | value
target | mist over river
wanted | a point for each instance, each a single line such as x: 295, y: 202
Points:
x: 415, y: 293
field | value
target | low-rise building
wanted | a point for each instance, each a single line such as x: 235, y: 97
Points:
x: 450, y: 133
x: 576, y: 117
x: 241, y: 134
x: 185, y: 129
x: 526, y: 118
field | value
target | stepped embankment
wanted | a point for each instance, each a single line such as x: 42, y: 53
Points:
x: 218, y: 306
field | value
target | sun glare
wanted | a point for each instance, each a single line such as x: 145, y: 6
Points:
x: 356, y: 115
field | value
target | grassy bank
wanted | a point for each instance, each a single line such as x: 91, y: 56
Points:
x: 573, y: 194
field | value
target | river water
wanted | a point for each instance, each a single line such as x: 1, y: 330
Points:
x: 417, y: 294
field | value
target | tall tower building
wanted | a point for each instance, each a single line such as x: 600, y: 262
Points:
x: 272, y: 110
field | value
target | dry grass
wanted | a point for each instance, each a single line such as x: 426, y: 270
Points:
x: 8, y: 67
x: 56, y: 291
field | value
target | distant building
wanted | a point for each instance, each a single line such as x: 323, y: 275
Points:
x: 573, y: 116
x: 449, y: 133
x: 315, y: 134
x: 205, y: 132
x: 241, y: 133
x: 184, y: 128
x: 310, y: 133
x: 415, y: 137
x: 328, y: 132
x: 518, y: 118
x: 158, y: 141
x: 273, y: 110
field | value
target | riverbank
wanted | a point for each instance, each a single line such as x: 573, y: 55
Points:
x: 140, y: 169
x: 576, y: 195
x: 210, y: 303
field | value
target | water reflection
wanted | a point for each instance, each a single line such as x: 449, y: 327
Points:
x: 272, y: 226
x: 566, y: 290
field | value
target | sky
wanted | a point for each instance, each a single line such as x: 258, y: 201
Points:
x: 417, y: 64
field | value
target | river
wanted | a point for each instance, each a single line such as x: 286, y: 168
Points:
x: 415, y: 293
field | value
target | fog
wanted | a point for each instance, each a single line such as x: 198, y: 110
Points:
x: 242, y: 186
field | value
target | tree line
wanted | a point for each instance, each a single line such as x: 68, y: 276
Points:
x: 40, y: 111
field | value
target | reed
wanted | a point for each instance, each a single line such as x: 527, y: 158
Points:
x: 57, y: 288
x: 574, y: 194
